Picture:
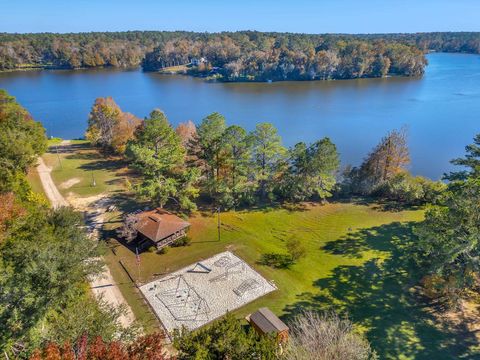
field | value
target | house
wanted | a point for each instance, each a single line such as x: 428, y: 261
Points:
x: 198, y: 62
x: 159, y: 227
x: 266, y: 322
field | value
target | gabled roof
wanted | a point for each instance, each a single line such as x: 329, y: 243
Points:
x: 158, y: 224
x: 267, y: 321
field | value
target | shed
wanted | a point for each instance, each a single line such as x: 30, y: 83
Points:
x: 264, y: 321
x: 160, y: 227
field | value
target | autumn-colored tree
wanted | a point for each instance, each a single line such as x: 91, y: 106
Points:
x: 109, y: 127
x: 103, y: 118
x: 389, y: 158
x: 124, y: 131
x: 9, y: 210
x: 147, y: 347
x: 187, y: 132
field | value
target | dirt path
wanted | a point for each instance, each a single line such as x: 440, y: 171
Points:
x: 56, y: 199
x: 102, y: 285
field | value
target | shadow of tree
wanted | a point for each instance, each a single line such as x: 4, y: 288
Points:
x: 376, y: 203
x: 68, y: 148
x: 377, y: 295
x: 104, y: 164
x: 276, y: 260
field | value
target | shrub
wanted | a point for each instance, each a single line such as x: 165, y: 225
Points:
x: 296, y: 249
x: 278, y: 261
x: 162, y: 251
x: 184, y: 241
x: 316, y: 336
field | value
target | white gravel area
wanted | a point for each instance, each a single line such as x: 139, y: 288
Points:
x: 204, y: 291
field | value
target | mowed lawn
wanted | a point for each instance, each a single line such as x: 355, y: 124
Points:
x: 356, y: 264
x: 357, y: 260
x: 79, y: 170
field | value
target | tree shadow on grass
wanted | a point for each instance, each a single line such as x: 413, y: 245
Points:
x: 376, y: 203
x: 377, y: 295
x: 276, y: 260
x: 107, y: 164
x: 67, y: 149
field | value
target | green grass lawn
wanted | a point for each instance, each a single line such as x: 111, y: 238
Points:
x: 357, y: 260
x: 34, y: 181
x: 76, y: 167
x: 356, y: 264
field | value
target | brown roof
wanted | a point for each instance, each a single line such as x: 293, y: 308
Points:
x: 158, y: 224
x: 267, y: 321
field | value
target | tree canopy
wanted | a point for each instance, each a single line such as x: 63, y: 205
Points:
x: 224, y: 339
x: 448, y: 246
x: 22, y: 140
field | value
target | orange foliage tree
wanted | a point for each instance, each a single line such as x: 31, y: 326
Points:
x: 109, y: 127
x: 9, y: 210
x: 148, y: 347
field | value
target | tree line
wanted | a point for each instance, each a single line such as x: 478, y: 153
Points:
x: 236, y: 56
x: 223, y: 163
x: 82, y: 50
x: 46, y: 256
x: 245, y: 55
x: 262, y: 57
x: 227, y: 166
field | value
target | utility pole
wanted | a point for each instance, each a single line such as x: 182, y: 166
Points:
x: 58, y: 157
x: 218, y: 212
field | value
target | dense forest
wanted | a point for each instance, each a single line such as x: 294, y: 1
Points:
x: 236, y: 56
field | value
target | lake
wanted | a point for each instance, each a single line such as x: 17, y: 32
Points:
x: 441, y: 110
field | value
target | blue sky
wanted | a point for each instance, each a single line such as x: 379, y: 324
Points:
x: 311, y: 16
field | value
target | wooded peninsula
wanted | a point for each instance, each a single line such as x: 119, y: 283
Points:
x: 235, y: 56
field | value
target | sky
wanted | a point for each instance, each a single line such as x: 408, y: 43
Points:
x: 307, y: 16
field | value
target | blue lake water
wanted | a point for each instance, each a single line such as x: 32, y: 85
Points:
x: 441, y: 110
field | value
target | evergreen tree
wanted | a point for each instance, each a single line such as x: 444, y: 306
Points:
x: 312, y: 171
x: 237, y: 155
x: 224, y: 339
x: 268, y: 158
x: 210, y: 145
x: 448, y: 245
x: 471, y: 161
x: 157, y: 153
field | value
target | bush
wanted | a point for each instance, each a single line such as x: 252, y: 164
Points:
x: 184, y: 241
x: 296, y: 249
x: 278, y: 261
x: 162, y: 251
x: 152, y: 249
x: 326, y: 336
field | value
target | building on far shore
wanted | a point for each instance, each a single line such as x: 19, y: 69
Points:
x: 266, y: 322
x: 198, y: 61
x: 160, y: 228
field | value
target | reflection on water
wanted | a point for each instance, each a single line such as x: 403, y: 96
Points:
x: 440, y: 110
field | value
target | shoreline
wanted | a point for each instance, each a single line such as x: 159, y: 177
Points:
x: 204, y: 78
